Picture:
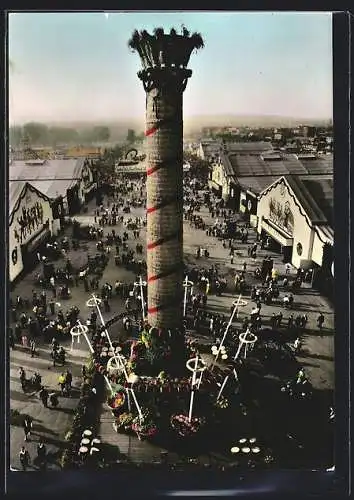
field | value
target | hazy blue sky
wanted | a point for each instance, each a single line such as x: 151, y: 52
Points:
x: 77, y: 66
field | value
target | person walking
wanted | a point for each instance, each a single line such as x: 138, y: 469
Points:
x: 24, y: 458
x: 24, y: 340
x: 43, y: 394
x: 290, y: 321
x: 107, y: 307
x: 297, y: 345
x: 22, y: 375
x: 52, y: 307
x: 27, y: 427
x: 320, y: 321
x: 62, y: 382
x: 291, y: 300
x: 304, y: 321
x: 53, y: 399
x: 279, y: 319
x: 68, y: 381
x: 33, y: 348
x: 11, y: 339
x: 42, y: 455
x: 211, y: 326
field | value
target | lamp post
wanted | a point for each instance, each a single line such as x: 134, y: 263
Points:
x: 141, y: 284
x: 95, y: 302
x: 186, y: 284
x: 236, y: 304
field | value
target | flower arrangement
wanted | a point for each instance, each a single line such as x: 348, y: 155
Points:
x: 145, y: 427
x: 181, y: 424
x: 124, y: 422
x: 222, y: 403
x: 162, y: 383
x: 117, y: 401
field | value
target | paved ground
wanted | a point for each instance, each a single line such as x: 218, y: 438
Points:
x: 49, y: 424
x: 52, y: 424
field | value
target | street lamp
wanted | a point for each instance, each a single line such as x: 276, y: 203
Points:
x: 95, y: 301
x: 140, y: 284
x: 186, y: 284
x: 237, y: 303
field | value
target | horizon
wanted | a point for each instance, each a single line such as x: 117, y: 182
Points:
x: 273, y: 74
x: 115, y: 121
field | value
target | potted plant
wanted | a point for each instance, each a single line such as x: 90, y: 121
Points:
x: 116, y: 402
x: 180, y: 423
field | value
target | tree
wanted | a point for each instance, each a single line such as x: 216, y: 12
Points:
x: 131, y: 137
x: 15, y: 135
x: 101, y: 134
x: 36, y: 132
x: 62, y: 135
x: 199, y: 168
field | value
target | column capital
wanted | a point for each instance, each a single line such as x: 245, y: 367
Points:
x: 162, y: 77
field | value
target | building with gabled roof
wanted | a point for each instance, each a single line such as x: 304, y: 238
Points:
x: 296, y: 213
x: 31, y: 223
x: 239, y: 178
x: 70, y: 179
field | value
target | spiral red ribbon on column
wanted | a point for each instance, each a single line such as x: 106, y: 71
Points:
x: 161, y: 241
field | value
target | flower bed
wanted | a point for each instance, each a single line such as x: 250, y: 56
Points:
x: 168, y: 397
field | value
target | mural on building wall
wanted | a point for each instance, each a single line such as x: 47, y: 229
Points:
x: 281, y: 215
x: 28, y: 221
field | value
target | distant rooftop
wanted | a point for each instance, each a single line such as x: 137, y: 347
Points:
x: 36, y: 170
x: 248, y: 147
x: 254, y: 165
x: 321, y: 189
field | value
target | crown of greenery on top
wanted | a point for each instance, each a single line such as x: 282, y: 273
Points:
x: 162, y: 49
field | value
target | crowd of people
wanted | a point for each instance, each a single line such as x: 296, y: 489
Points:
x: 41, y: 319
x: 265, y: 285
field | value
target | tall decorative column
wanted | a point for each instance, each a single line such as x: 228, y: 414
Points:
x: 164, y: 76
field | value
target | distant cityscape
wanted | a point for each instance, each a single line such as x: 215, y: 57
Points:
x: 65, y: 141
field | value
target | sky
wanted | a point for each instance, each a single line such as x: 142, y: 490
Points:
x: 77, y: 66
